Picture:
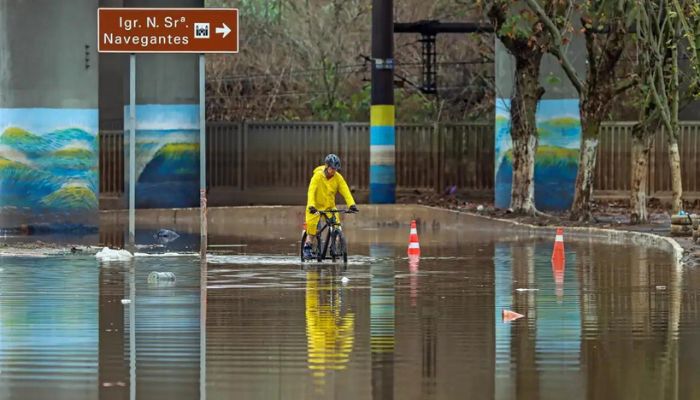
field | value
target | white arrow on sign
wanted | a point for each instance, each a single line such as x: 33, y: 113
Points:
x: 223, y: 29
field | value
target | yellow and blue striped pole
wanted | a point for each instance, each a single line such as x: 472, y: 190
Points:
x: 382, y: 137
x: 382, y: 155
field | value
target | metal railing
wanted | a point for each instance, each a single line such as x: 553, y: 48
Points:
x: 111, y: 163
x: 283, y: 154
x: 615, y: 162
x: 276, y: 158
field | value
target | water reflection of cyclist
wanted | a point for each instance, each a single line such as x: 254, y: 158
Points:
x: 325, y: 183
x: 329, y: 330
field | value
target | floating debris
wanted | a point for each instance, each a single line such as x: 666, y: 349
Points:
x: 107, y: 254
x: 157, y: 277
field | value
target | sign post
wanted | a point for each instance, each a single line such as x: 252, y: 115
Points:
x: 167, y: 30
x: 202, y: 160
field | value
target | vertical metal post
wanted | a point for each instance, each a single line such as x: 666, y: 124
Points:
x: 202, y: 160
x: 132, y: 152
x: 382, y: 149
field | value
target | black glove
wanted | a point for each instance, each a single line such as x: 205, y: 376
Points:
x: 313, y: 210
x: 353, y: 208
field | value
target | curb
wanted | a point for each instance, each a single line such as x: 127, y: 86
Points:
x: 610, y: 235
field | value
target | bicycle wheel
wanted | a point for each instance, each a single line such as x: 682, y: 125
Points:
x: 341, y: 247
x: 301, y: 247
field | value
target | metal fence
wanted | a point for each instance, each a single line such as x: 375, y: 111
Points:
x: 614, y: 169
x: 269, y: 162
x: 111, y: 163
x: 283, y: 154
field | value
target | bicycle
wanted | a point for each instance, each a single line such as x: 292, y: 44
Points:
x: 334, y: 238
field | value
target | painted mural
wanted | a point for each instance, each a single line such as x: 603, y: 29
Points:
x: 167, y: 155
x: 49, y: 164
x: 556, y: 162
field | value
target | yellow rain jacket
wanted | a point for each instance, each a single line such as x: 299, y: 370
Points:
x: 322, y: 193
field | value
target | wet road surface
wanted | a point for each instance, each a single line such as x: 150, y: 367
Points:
x: 612, y: 322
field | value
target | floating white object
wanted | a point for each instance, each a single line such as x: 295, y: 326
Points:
x: 126, y: 301
x: 344, y: 279
x: 526, y: 290
x: 107, y: 254
x: 156, y: 277
x: 661, y: 287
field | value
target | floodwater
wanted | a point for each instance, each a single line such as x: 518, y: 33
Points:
x: 615, y: 322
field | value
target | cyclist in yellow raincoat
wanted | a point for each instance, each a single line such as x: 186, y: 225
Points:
x: 325, y: 183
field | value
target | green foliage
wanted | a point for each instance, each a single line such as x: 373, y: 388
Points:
x: 354, y: 107
x: 553, y: 79
x: 516, y: 27
x: 415, y: 107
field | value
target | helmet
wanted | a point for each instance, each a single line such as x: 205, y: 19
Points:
x: 332, y: 161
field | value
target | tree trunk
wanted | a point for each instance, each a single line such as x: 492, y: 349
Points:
x: 526, y: 93
x: 642, y: 139
x: 673, y: 153
x: 603, y: 54
x: 676, y: 182
x: 583, y: 194
x: 523, y: 199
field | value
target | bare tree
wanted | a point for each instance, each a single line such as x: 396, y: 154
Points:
x: 688, y: 13
x: 523, y: 34
x: 643, y: 134
x: 658, y: 30
x: 605, y: 27
x: 303, y: 59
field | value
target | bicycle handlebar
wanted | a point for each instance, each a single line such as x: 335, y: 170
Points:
x: 333, y: 211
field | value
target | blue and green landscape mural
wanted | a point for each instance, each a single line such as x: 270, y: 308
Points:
x: 556, y: 162
x: 167, y: 155
x: 49, y: 163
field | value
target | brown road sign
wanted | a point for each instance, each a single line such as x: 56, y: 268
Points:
x: 167, y: 30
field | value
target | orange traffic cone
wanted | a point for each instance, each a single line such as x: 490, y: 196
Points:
x: 558, y: 252
x: 413, y: 245
x: 510, y: 315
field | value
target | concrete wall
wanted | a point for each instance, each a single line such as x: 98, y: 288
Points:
x: 48, y: 114
x: 387, y: 224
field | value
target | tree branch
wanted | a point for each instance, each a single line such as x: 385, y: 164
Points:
x: 662, y: 105
x: 690, y: 37
x: 558, y: 48
x: 626, y: 84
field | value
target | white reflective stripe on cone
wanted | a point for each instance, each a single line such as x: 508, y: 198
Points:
x: 414, y: 245
x: 559, y: 238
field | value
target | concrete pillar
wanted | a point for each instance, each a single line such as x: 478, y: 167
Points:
x: 382, y: 141
x: 48, y: 115
x: 558, y: 121
x: 167, y: 123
